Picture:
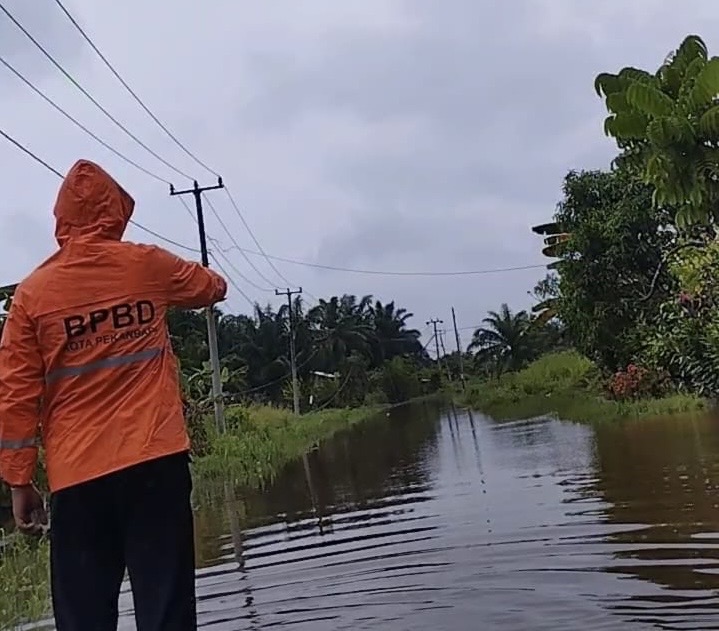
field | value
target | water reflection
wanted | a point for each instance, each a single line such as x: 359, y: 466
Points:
x: 661, y: 479
x: 439, y: 518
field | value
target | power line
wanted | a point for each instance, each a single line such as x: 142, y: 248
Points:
x: 30, y: 153
x: 149, y: 112
x: 53, y: 170
x: 254, y: 238
x: 222, y: 251
x: 232, y: 280
x: 219, y: 249
x: 350, y: 270
x: 174, y: 138
x: 73, y: 120
x: 237, y: 245
x: 86, y: 93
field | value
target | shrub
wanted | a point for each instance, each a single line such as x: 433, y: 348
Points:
x: 637, y: 382
x: 399, y: 380
x: 555, y: 372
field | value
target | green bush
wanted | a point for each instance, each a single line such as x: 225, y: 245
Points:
x: 569, y: 385
x: 398, y: 380
x: 555, y: 372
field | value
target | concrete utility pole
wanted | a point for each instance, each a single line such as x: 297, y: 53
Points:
x: 196, y: 191
x: 293, y: 360
x: 459, y: 351
x: 444, y: 354
x: 434, y: 322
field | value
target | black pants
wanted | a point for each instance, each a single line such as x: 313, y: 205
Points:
x: 140, y: 519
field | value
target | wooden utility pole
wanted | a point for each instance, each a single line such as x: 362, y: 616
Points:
x: 293, y: 360
x: 196, y: 191
x: 434, y: 322
x: 459, y: 351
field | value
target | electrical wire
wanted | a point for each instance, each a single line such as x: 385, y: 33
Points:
x: 219, y: 249
x: 148, y: 111
x: 76, y: 122
x: 351, y: 270
x: 232, y: 280
x: 279, y: 379
x: 336, y: 392
x: 236, y: 206
x: 222, y: 251
x: 94, y: 101
x: 53, y: 170
x: 234, y: 241
x: 172, y: 136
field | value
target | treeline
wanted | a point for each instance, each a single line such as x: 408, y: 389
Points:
x: 349, y: 351
x: 635, y: 286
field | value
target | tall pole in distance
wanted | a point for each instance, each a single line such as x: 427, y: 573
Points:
x: 444, y: 355
x: 293, y: 359
x: 459, y: 351
x: 434, y: 322
x: 196, y: 191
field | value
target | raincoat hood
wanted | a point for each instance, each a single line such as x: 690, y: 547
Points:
x: 91, y: 203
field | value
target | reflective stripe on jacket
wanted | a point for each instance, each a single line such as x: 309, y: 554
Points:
x: 85, y: 355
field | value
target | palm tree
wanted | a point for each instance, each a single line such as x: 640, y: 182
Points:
x: 392, y: 338
x: 340, y: 328
x: 506, y: 342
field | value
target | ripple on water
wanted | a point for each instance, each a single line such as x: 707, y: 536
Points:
x: 440, y: 519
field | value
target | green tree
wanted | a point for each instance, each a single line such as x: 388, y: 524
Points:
x: 507, y: 341
x: 667, y: 127
x: 391, y: 337
x: 608, y: 264
x: 341, y: 327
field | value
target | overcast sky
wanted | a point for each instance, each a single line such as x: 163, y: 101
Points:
x: 407, y: 135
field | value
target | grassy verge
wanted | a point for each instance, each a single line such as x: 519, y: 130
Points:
x: 24, y: 581
x: 569, y: 386
x: 259, y: 441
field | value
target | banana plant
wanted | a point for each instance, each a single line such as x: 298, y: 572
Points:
x: 666, y: 125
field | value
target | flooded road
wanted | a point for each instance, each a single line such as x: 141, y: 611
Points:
x: 441, y: 520
x: 438, y: 520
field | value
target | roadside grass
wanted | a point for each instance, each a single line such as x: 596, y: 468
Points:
x: 567, y: 385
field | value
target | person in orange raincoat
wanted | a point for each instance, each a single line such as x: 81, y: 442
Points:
x: 86, y: 362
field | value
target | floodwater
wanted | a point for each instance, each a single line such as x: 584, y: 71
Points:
x: 436, y: 518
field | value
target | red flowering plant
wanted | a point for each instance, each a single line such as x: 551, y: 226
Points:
x: 636, y: 382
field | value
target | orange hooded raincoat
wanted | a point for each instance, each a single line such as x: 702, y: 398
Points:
x: 85, y: 356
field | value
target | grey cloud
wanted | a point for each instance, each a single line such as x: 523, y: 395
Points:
x: 403, y: 134
x: 48, y: 26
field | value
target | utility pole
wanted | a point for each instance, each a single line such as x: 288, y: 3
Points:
x: 196, y: 191
x: 459, y: 351
x: 434, y: 322
x: 444, y: 354
x: 293, y: 360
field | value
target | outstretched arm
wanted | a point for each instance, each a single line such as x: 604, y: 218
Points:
x: 189, y: 285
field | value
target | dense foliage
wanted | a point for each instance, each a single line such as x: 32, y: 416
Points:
x: 667, y: 127
x: 344, y: 346
x: 635, y: 288
x: 508, y: 341
x: 608, y: 264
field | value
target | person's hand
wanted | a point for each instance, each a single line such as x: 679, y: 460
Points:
x: 28, y: 509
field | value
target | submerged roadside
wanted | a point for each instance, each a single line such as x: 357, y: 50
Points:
x: 258, y: 442
x: 569, y: 386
